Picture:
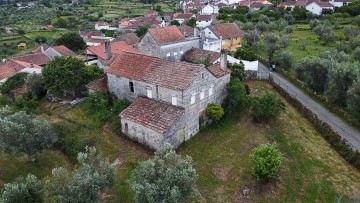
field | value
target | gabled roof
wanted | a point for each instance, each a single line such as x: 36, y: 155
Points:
x: 102, y: 23
x: 37, y: 58
x: 195, y: 55
x: 152, y: 114
x: 217, y: 71
x: 91, y: 33
x: 166, y: 35
x: 226, y: 31
x: 204, y: 17
x: 129, y: 38
x: 189, y: 31
x: 324, y: 4
x: 11, y: 67
x: 62, y: 50
x: 183, y: 15
x: 165, y: 73
x: 116, y: 47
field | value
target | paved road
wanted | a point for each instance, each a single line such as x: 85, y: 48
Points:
x: 344, y: 130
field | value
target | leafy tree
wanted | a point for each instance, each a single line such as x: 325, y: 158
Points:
x: 175, y: 22
x: 91, y: 73
x: 289, y: 29
x: 22, y: 191
x: 299, y: 13
x: 40, y: 39
x: 21, y: 31
x: 341, y: 77
x: 165, y: 178
x: 353, y: 97
x: 262, y: 26
x: 266, y: 160
x: 313, y: 71
x: 325, y: 32
x: 191, y: 22
x: 61, y: 23
x: 20, y: 132
x: 142, y: 30
x: 13, y: 82
x: 357, y: 20
x: 271, y: 44
x: 71, y: 40
x: 356, y: 54
x: 289, y: 18
x: 85, y: 184
x: 285, y: 60
x: 245, y: 54
x: 100, y: 15
x: 252, y: 37
x: 35, y: 86
x: 266, y: 107
x: 63, y: 73
x: 215, y: 112
x: 237, y: 98
x: 237, y: 70
x: 314, y: 23
x: 264, y: 18
x: 350, y: 32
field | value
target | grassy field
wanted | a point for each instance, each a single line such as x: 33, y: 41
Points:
x: 311, y: 171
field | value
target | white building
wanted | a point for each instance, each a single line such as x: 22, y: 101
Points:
x: 210, y: 9
x: 203, y: 20
x: 317, y: 7
x: 103, y: 26
x: 340, y: 3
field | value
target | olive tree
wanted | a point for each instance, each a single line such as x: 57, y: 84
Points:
x: 271, y: 44
x: 266, y: 107
x: 266, y: 160
x: 165, y: 178
x: 353, y: 97
x: 350, y: 32
x: 285, y: 60
x: 20, y: 132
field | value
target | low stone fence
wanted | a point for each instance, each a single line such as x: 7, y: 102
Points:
x: 336, y: 141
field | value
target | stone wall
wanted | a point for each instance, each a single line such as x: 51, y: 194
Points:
x: 177, y: 50
x: 148, y: 46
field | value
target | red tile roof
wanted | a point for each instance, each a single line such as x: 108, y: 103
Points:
x: 101, y: 23
x: 186, y: 30
x: 169, y: 74
x: 95, y: 40
x: 152, y: 114
x: 91, y: 33
x: 217, y: 71
x: 324, y: 4
x: 166, y: 35
x: 185, y: 16
x: 204, y: 18
x: 11, y: 67
x: 37, y: 58
x: 129, y: 38
x: 99, y: 84
x: 195, y: 55
x: 63, y: 50
x: 227, y: 30
x: 116, y: 47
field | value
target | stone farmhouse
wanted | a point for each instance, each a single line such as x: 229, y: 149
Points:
x: 169, y: 97
x: 229, y: 34
x: 167, y: 43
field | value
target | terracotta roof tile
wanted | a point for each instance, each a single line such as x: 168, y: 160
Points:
x: 169, y: 74
x: 187, y: 30
x: 102, y: 23
x: 152, y: 114
x: 166, y: 35
x: 116, y: 47
x: 91, y: 33
x: 129, y: 38
x: 204, y: 17
x: 63, y: 50
x: 99, y: 84
x: 217, y: 72
x: 11, y: 67
x: 227, y: 30
x: 195, y: 55
x: 37, y: 58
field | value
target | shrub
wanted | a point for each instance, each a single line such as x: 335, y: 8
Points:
x: 245, y: 54
x: 13, y: 82
x: 237, y: 98
x: 237, y: 70
x: 266, y: 161
x: 3, y: 100
x: 266, y: 107
x: 215, y: 112
x: 285, y: 60
x: 119, y: 106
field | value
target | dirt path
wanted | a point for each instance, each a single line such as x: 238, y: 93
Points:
x: 346, y: 131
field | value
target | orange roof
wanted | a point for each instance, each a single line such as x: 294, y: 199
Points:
x: 166, y: 35
x: 227, y: 30
x: 116, y: 47
x: 11, y: 67
x: 37, y: 58
x: 217, y: 71
x: 62, y: 50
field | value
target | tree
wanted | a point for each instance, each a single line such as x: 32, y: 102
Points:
x: 93, y: 175
x: 285, y: 60
x: 313, y: 71
x: 341, y: 77
x: 100, y: 15
x: 22, y: 191
x: 264, y: 18
x: 266, y: 161
x: 20, y: 132
x: 357, y: 20
x: 289, y: 18
x: 356, y: 54
x: 40, y: 39
x: 71, y: 40
x: 245, y: 54
x: 353, y: 97
x: 271, y: 44
x: 266, y: 107
x: 142, y: 30
x: 91, y: 73
x: 61, y: 23
x: 165, y: 178
x: 237, y: 70
x: 175, y: 22
x: 215, y: 112
x: 13, y: 82
x: 252, y: 37
x: 35, y: 85
x: 237, y: 98
x: 191, y: 22
x: 289, y: 29
x: 63, y: 73
x: 325, y: 32
x: 21, y: 31
x: 350, y: 32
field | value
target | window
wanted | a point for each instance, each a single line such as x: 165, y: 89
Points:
x: 149, y: 92
x: 211, y: 91
x: 192, y: 99
x: 175, y: 53
x: 202, y: 95
x: 181, y: 52
x: 131, y: 85
x: 126, y: 128
x: 173, y: 100
x: 168, y: 54
x: 202, y: 75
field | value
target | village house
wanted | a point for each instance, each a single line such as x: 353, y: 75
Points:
x: 204, y: 20
x: 151, y: 13
x: 209, y: 9
x: 54, y: 51
x: 105, y: 52
x: 167, y: 43
x: 169, y: 98
x: 128, y: 38
x: 314, y: 6
x: 340, y: 3
x: 103, y: 26
x: 10, y: 67
x: 229, y: 33
x: 97, y: 41
x: 86, y: 35
x: 183, y: 17
x: 132, y: 24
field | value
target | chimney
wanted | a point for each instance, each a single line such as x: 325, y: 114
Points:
x: 195, y: 32
x: 223, y: 60
x: 42, y: 49
x: 108, y: 50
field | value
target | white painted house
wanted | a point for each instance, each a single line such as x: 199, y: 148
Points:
x: 340, y: 3
x: 317, y: 7
x: 103, y: 26
x: 210, y: 9
x: 204, y: 20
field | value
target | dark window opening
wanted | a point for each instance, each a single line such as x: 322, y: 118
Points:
x: 131, y: 85
x: 126, y: 128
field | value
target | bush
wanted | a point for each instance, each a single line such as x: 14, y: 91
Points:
x: 3, y: 100
x: 245, y: 54
x: 237, y: 98
x: 119, y: 106
x: 285, y: 60
x: 266, y: 161
x: 13, y: 82
x: 215, y: 111
x: 26, y: 103
x: 266, y: 107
